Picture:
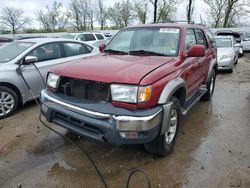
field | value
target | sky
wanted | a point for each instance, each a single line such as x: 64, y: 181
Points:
x: 31, y: 6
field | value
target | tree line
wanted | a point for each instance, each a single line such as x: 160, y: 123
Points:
x: 82, y: 14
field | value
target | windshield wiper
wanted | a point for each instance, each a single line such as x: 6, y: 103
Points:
x: 115, y: 51
x: 134, y: 52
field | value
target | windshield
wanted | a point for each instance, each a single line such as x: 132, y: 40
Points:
x: 158, y: 40
x: 223, y: 42
x: 68, y: 36
x: 12, y: 50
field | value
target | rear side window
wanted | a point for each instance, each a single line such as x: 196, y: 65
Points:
x: 190, y: 39
x: 73, y: 49
x: 47, y: 52
x: 89, y: 37
x: 201, y: 39
x: 99, y: 36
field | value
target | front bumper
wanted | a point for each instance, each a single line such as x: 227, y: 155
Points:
x: 102, y: 121
x: 226, y: 65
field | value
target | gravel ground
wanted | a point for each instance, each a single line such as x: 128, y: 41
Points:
x: 212, y: 149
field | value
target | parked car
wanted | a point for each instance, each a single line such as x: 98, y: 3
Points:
x: 237, y: 39
x: 89, y: 38
x: 227, y: 54
x: 4, y: 40
x: 246, y: 43
x: 137, y: 90
x: 42, y: 52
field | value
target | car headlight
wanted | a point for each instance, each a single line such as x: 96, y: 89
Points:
x: 53, y: 80
x: 130, y: 94
x: 227, y: 56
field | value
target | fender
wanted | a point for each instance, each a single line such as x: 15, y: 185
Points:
x: 170, y: 88
x: 166, y: 94
x: 213, y: 64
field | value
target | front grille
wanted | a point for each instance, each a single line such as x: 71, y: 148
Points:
x: 76, y: 123
x: 83, y: 89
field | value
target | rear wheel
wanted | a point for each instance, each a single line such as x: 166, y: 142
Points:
x: 210, y: 87
x: 162, y: 145
x: 8, y: 102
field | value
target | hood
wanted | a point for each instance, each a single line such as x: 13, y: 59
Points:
x: 223, y: 51
x: 125, y: 69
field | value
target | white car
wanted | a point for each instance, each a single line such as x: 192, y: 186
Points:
x: 94, y: 39
x: 246, y: 43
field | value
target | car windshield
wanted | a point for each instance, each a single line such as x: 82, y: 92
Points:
x: 68, y: 36
x: 161, y: 41
x: 11, y: 50
x: 223, y: 42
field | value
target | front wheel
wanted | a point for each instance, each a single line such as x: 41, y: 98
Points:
x: 8, y: 102
x: 162, y: 145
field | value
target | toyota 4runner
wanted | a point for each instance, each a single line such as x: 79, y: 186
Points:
x: 137, y: 89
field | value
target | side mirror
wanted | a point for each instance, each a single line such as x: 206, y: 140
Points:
x: 196, y: 51
x: 102, y: 47
x: 237, y: 45
x: 30, y: 59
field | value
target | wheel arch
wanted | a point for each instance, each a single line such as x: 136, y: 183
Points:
x: 176, y: 88
x: 15, y: 89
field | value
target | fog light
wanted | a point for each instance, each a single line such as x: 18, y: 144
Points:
x: 132, y: 135
x: 44, y: 108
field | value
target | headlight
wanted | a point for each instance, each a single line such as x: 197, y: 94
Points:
x: 131, y: 94
x: 53, y: 80
x: 227, y: 56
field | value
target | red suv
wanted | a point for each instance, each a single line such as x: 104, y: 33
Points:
x: 137, y: 89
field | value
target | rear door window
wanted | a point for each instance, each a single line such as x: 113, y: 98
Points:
x: 89, y: 37
x: 99, y: 36
x: 73, y: 49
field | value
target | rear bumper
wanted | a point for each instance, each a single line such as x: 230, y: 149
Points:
x: 102, y: 121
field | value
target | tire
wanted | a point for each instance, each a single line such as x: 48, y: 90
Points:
x: 230, y: 70
x: 160, y: 146
x: 210, y: 87
x: 8, y: 102
x: 236, y: 62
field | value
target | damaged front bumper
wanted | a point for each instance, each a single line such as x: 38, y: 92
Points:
x: 102, y: 121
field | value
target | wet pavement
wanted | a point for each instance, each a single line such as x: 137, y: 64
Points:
x: 212, y: 148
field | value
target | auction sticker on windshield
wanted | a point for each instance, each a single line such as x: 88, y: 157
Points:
x: 169, y: 30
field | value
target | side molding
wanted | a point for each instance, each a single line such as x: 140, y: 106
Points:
x: 170, y: 89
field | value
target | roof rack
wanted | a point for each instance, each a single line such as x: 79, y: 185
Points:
x: 182, y: 21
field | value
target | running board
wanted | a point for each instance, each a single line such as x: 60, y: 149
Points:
x: 193, y: 99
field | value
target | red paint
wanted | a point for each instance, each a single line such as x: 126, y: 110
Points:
x: 146, y: 70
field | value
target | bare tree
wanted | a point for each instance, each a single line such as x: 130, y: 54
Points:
x: 155, y: 4
x: 190, y: 10
x: 87, y: 13
x: 163, y: 9
x: 53, y: 18
x: 216, y: 11
x: 114, y: 15
x: 141, y: 10
x: 13, y: 19
x: 166, y: 10
x: 75, y: 15
x: 126, y: 12
x: 101, y: 14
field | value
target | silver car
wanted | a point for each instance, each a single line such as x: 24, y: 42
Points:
x: 246, y: 43
x: 227, y: 52
x: 30, y: 58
